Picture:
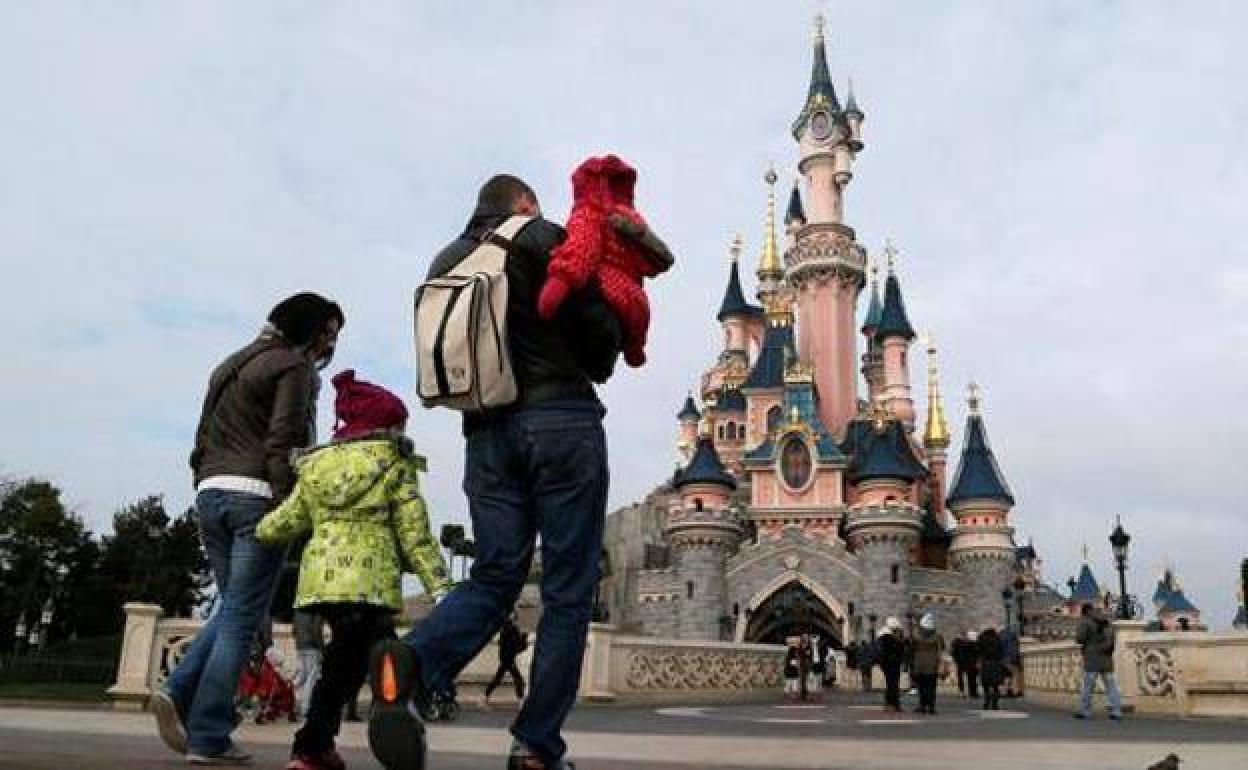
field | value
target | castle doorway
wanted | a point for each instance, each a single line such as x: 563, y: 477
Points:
x: 793, y: 610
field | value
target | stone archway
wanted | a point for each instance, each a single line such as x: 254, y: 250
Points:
x: 790, y: 605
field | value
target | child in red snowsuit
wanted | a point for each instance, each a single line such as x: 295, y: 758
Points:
x: 608, y: 240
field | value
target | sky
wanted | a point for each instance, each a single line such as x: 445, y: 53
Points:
x: 1065, y: 181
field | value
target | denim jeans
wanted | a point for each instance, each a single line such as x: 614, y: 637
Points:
x: 245, y: 571
x: 1111, y: 690
x: 537, y: 471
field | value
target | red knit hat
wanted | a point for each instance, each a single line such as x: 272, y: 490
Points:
x: 361, y: 407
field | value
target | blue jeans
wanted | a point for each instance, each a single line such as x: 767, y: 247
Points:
x: 245, y: 571
x: 1111, y: 690
x: 539, y: 470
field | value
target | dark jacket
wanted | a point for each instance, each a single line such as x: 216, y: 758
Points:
x: 258, y: 408
x: 511, y: 642
x: 928, y: 648
x: 965, y: 654
x: 557, y: 360
x: 1095, y: 637
x: 892, y: 651
x: 991, y: 658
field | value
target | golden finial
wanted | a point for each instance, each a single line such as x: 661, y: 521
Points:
x: 973, y: 394
x: 734, y: 249
x: 890, y: 254
x: 936, y: 435
x: 769, y: 266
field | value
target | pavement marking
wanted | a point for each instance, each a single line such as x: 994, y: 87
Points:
x: 890, y: 721
x: 683, y: 711
x: 782, y: 721
x: 800, y: 706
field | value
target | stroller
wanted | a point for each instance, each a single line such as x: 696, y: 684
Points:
x: 263, y: 692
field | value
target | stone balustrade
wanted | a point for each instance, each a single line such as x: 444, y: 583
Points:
x: 1176, y: 673
x: 616, y: 667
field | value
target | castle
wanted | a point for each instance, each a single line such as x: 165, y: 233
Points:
x: 803, y: 504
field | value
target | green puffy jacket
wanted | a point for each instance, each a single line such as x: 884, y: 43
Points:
x: 361, y: 501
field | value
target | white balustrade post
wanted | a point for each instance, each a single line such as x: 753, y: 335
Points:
x: 131, y: 690
x: 596, y: 668
x: 1125, y: 632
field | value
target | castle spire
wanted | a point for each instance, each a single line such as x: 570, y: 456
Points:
x: 936, y: 435
x: 795, y: 214
x: 734, y: 304
x: 769, y: 266
x: 893, y: 319
x: 979, y: 477
x: 874, y: 309
x: 822, y: 94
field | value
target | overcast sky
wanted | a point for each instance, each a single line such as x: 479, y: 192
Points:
x: 1066, y: 182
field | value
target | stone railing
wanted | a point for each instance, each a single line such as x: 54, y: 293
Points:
x: 616, y: 667
x: 1178, y: 673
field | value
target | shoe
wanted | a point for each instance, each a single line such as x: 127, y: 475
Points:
x: 168, y: 721
x: 231, y: 757
x: 1079, y: 715
x: 329, y: 760
x: 1116, y: 717
x: 522, y: 759
x: 396, y: 733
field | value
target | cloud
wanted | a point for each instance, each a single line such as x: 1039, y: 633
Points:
x: 1065, y: 182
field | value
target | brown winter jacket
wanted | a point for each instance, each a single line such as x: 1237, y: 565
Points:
x: 929, y: 648
x: 258, y: 408
x: 1095, y: 637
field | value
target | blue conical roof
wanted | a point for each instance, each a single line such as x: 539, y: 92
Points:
x: 874, y: 311
x: 734, y: 303
x: 821, y: 93
x: 979, y: 477
x: 689, y: 411
x: 885, y: 454
x: 1086, y: 587
x: 705, y: 468
x: 851, y: 104
x: 1176, y: 601
x: 795, y: 212
x: 893, y: 321
x: 768, y: 371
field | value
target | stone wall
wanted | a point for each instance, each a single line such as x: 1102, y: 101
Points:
x: 615, y: 666
x: 700, y: 590
x: 988, y: 573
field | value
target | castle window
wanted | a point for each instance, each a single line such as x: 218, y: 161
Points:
x: 689, y: 589
x: 774, y: 416
x: 720, y: 432
x: 896, y: 573
x: 697, y: 504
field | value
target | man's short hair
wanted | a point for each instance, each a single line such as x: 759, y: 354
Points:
x: 1086, y: 609
x: 302, y: 316
x: 503, y: 190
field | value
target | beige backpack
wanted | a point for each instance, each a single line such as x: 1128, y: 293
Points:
x: 462, y: 361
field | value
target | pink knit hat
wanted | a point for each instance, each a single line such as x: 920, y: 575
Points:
x: 361, y: 407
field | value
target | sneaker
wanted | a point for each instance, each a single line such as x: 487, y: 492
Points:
x: 1079, y: 715
x: 231, y: 757
x: 169, y: 722
x: 329, y: 760
x: 396, y: 733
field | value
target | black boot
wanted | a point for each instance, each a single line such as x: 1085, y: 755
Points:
x: 396, y: 734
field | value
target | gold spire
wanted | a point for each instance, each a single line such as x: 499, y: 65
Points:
x: 769, y: 265
x: 936, y: 436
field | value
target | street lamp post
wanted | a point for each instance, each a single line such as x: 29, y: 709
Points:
x: 1019, y: 587
x: 1243, y: 585
x: 1119, y: 540
x: 1007, y: 596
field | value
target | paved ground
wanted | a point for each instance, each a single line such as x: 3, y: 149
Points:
x: 848, y: 732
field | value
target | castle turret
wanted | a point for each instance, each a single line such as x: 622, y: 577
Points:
x: 826, y: 266
x: 883, y: 526
x: 735, y: 314
x: 688, y: 417
x: 703, y: 531
x: 873, y: 356
x: 893, y: 336
x: 936, y: 434
x: 983, y: 540
x: 853, y: 118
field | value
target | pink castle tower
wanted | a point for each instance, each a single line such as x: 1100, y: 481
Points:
x: 826, y: 266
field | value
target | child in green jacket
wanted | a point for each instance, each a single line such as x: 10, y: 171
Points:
x: 359, y: 497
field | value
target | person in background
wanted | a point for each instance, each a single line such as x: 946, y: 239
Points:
x: 511, y: 642
x: 258, y: 409
x: 1095, y: 637
x: 928, y: 654
x: 991, y: 666
x: 868, y: 654
x: 966, y: 660
x: 308, y: 630
x: 792, y: 671
x: 891, y: 644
